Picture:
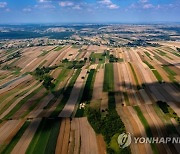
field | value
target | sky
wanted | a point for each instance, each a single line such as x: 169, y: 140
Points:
x: 89, y: 11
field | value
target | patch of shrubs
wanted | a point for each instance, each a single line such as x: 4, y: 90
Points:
x: 47, y: 82
x: 42, y: 75
x: 108, y: 125
x: 168, y: 110
x: 44, y: 70
x: 178, y: 49
x: 73, y: 64
x: 113, y: 59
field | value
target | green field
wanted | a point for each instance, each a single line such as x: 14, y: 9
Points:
x: 169, y: 71
x: 157, y: 75
x: 147, y: 54
x: 58, y: 48
x: 149, y: 65
x: 45, y: 138
x: 146, y: 127
x: 97, y: 57
x: 108, y: 84
x: 86, y: 97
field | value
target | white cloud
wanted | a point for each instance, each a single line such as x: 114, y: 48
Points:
x: 109, y: 4
x: 3, y: 4
x: 66, y: 3
x: 148, y: 6
x: 45, y: 6
x: 143, y: 1
x: 77, y: 7
x: 27, y: 10
x: 113, y: 6
x: 106, y: 2
x: 42, y: 1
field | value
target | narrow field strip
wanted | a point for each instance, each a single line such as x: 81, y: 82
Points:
x: 146, y: 127
x: 26, y: 138
x: 7, y: 129
x: 73, y: 98
x: 66, y: 94
x: 16, y: 138
x: 17, y: 105
x: 108, y: 84
x: 15, y: 92
x: 45, y: 138
x: 63, y: 137
x: 18, y: 95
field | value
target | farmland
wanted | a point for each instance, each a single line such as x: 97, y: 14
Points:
x: 78, y: 98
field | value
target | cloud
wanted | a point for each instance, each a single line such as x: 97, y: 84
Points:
x: 143, y: 4
x: 45, y: 6
x: 66, y: 3
x: 143, y: 1
x: 148, y: 6
x: 43, y: 1
x: 3, y: 4
x: 77, y: 7
x: 27, y: 10
x: 113, y: 6
x: 109, y: 4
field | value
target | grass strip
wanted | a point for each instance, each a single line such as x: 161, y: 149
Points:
x: 58, y: 48
x: 64, y: 73
x: 51, y: 145
x: 161, y: 53
x: 135, y: 76
x: 157, y: 75
x: 97, y: 57
x: 169, y: 71
x: 88, y: 89
x: 108, y: 84
x: 148, y: 55
x: 44, y: 52
x: 149, y: 65
x: 146, y: 127
x: 45, y: 138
